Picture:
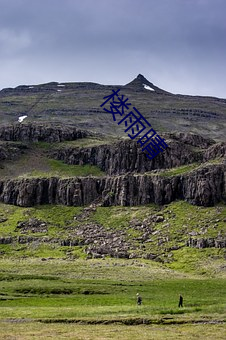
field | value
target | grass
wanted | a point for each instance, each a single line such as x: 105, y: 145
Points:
x: 56, y: 217
x: 179, y: 170
x: 96, y: 299
x: 119, y: 217
x: 32, y: 330
x: 60, y: 169
x: 43, y: 167
x: 78, y: 143
x: 61, y: 296
x: 182, y: 221
x: 36, y: 162
x: 49, y: 290
x: 203, y: 261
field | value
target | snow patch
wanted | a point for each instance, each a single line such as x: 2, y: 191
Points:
x: 61, y: 85
x: 148, y: 87
x: 21, y: 118
x: 31, y: 87
x: 59, y: 90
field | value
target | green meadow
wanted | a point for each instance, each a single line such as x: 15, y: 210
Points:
x: 45, y: 297
x: 52, y: 291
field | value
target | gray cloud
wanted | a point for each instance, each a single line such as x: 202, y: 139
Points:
x: 177, y: 44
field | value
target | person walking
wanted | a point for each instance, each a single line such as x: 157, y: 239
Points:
x: 180, y: 301
x: 139, y: 299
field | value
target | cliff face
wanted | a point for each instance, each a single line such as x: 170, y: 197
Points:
x: 125, y: 164
x: 202, y: 187
x: 127, y: 156
x: 35, y: 133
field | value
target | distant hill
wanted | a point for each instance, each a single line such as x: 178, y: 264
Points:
x: 78, y: 105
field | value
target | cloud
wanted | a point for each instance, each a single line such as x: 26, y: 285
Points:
x: 13, y: 42
x: 178, y: 44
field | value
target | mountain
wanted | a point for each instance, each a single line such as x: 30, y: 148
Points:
x: 68, y: 155
x: 78, y: 104
x: 140, y: 83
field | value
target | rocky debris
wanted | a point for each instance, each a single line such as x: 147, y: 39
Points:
x: 101, y: 241
x: 85, y: 214
x: 203, y: 186
x: 39, y: 240
x: 131, y: 241
x: 6, y: 240
x: 71, y: 242
x: 11, y: 150
x: 34, y: 133
x: 218, y: 242
x: 159, y: 218
x: 32, y: 225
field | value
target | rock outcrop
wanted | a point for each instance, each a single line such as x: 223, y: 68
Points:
x: 125, y: 164
x: 205, y: 186
x: 127, y: 156
x: 34, y: 133
x: 11, y: 150
x: 218, y: 242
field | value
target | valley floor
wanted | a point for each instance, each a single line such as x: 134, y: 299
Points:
x: 50, y: 288
x: 31, y: 330
x: 96, y: 299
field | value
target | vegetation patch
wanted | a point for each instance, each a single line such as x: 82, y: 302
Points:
x: 180, y: 170
x: 60, y: 169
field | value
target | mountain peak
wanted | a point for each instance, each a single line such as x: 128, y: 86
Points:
x: 140, y: 83
x: 141, y: 77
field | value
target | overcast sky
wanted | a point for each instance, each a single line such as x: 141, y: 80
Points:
x: 179, y: 45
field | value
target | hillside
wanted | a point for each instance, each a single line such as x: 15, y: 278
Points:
x: 119, y: 199
x: 68, y: 152
x: 87, y: 220
x: 78, y: 104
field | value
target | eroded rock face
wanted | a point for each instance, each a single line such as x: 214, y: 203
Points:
x: 216, y: 150
x: 125, y: 164
x: 127, y: 156
x: 218, y: 242
x: 35, y: 133
x: 192, y: 139
x: 204, y: 186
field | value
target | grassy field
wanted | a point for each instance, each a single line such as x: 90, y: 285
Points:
x: 96, y: 299
x: 110, y: 332
x: 52, y: 291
